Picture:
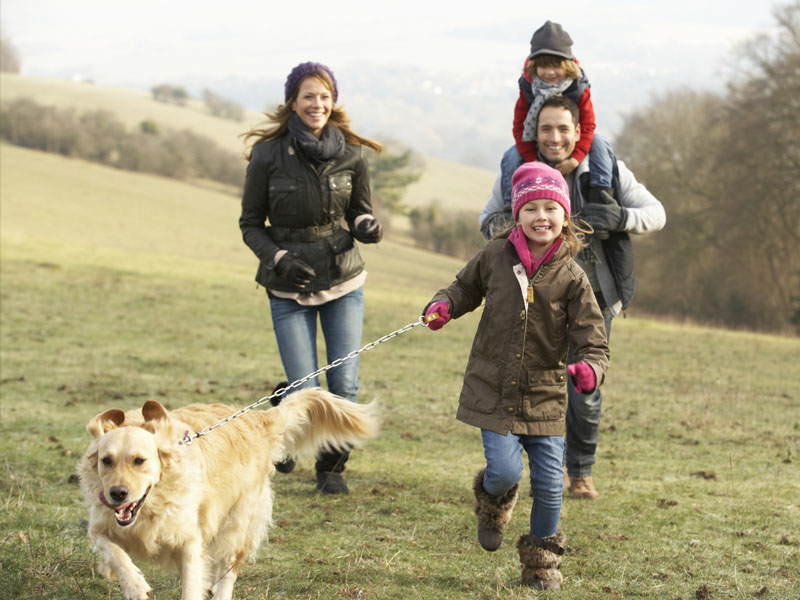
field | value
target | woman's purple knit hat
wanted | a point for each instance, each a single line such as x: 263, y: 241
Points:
x: 303, y: 70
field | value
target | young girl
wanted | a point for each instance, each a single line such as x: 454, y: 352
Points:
x: 538, y: 302
x: 551, y: 69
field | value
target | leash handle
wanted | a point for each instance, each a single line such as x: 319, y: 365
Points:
x: 431, y: 317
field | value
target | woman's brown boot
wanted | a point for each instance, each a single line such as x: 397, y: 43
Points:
x: 493, y: 513
x: 541, y: 560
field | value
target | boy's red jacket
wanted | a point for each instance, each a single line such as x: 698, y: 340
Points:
x: 579, y: 92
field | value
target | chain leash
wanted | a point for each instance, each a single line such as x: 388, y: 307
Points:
x: 189, y: 438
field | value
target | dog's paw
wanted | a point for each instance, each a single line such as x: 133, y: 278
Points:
x: 135, y: 587
x: 144, y: 593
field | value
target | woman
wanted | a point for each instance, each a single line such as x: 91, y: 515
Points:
x: 308, y: 176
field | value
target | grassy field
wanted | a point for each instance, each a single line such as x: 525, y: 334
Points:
x: 116, y: 288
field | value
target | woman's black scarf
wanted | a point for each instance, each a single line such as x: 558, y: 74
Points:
x: 330, y: 144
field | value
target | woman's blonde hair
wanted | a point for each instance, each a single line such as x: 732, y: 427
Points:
x: 280, y: 120
x: 571, y: 68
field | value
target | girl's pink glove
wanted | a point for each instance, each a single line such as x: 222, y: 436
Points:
x: 441, y: 307
x: 583, y: 377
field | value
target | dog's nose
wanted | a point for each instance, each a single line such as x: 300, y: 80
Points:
x: 118, y: 493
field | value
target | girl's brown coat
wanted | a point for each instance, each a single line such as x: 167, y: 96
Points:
x: 516, y: 377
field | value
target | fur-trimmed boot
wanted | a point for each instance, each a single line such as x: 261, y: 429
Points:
x: 541, y: 560
x: 493, y: 513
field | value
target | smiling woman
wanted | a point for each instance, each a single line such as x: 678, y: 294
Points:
x: 308, y: 177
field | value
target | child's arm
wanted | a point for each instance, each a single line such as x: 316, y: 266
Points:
x: 587, y: 330
x: 588, y: 125
x: 526, y: 149
x: 465, y: 294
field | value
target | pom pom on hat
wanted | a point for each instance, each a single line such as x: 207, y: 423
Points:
x: 537, y: 181
x: 302, y: 71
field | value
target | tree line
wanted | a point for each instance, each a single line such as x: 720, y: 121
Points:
x: 99, y: 137
x: 216, y: 104
x: 727, y: 169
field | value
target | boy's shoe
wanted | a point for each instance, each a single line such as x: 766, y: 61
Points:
x: 331, y: 483
x: 582, y: 487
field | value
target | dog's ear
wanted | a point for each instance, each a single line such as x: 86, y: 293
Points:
x: 158, y: 422
x: 154, y: 411
x: 105, y: 422
x: 155, y: 416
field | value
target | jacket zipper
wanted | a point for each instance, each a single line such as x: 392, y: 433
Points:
x: 530, y: 301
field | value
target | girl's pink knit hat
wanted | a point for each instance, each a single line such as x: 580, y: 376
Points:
x: 536, y: 181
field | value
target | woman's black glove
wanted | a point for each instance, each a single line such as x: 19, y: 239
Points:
x: 294, y: 270
x: 368, y: 231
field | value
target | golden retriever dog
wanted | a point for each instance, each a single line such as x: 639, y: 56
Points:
x: 202, y: 507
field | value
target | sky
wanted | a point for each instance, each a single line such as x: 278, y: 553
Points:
x: 630, y: 49
x: 120, y: 41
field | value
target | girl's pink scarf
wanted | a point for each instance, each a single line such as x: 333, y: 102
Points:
x: 517, y: 237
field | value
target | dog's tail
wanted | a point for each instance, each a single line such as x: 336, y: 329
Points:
x: 318, y: 420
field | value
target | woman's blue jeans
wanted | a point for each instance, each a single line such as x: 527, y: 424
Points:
x: 296, y: 332
x: 504, y: 470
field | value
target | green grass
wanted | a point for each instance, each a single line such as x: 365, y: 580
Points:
x: 116, y: 288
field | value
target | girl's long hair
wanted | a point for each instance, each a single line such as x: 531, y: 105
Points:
x: 280, y: 120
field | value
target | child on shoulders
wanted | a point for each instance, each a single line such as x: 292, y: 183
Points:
x: 551, y: 69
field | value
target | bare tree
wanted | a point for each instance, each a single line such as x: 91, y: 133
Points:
x: 727, y: 169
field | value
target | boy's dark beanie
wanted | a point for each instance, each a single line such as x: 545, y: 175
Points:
x: 550, y: 38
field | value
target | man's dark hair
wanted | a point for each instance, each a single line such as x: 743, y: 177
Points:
x: 559, y: 101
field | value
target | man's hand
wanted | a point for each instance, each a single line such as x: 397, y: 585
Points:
x: 604, y: 217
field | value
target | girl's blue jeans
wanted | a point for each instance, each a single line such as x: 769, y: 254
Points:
x: 504, y: 470
x: 296, y: 332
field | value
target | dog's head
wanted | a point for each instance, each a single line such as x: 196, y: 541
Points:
x: 128, y: 454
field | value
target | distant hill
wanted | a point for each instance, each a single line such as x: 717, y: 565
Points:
x: 449, y: 184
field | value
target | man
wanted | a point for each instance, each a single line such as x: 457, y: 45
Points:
x: 625, y: 208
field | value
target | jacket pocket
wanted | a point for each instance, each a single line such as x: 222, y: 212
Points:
x: 284, y: 195
x: 481, y: 391
x: 545, y: 398
x: 340, y: 241
x: 344, y: 262
x: 340, y: 187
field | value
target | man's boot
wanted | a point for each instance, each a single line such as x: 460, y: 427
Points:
x: 493, y: 513
x: 582, y: 487
x: 541, y: 560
